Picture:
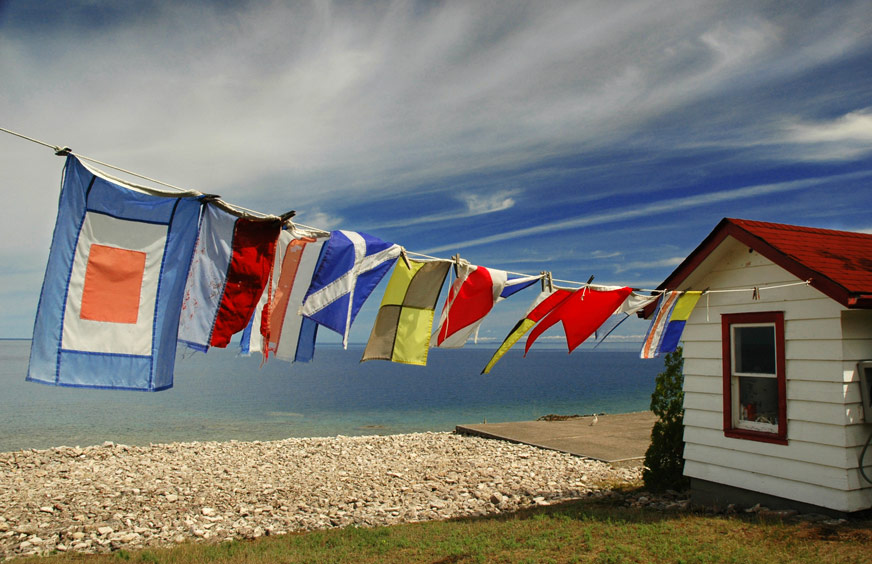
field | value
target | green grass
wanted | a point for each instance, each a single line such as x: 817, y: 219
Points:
x: 582, y: 531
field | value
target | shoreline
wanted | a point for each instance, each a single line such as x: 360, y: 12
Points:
x: 372, y: 430
x: 108, y: 497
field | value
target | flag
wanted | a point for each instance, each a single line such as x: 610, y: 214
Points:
x: 631, y: 305
x: 668, y: 323
x: 283, y: 331
x: 231, y: 265
x: 350, y: 267
x: 544, y: 303
x: 402, y: 327
x: 581, y: 313
x: 109, y: 307
x: 471, y: 297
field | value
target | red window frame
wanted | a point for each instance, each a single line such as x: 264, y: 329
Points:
x: 768, y: 317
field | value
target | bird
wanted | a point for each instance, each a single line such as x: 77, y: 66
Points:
x: 594, y: 420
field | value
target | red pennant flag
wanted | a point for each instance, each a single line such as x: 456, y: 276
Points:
x: 581, y: 314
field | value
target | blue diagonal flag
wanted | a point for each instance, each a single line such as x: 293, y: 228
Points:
x: 350, y: 267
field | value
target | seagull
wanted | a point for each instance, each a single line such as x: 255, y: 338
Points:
x: 594, y: 420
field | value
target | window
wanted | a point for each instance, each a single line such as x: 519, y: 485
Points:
x: 755, y: 401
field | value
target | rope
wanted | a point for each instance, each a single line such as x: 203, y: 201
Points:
x: 63, y: 151
x: 758, y: 288
x: 131, y: 173
x: 43, y: 143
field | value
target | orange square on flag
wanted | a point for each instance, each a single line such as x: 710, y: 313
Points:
x: 113, y: 283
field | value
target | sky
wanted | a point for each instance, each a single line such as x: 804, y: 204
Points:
x: 583, y: 138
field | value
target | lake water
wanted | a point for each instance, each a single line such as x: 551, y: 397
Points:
x: 222, y: 396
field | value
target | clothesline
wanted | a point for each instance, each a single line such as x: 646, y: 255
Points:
x: 772, y: 287
x: 64, y: 151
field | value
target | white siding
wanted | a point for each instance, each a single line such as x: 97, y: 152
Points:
x: 857, y: 345
x: 819, y: 463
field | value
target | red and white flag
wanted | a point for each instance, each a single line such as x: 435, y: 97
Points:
x: 230, y: 268
x: 472, y: 296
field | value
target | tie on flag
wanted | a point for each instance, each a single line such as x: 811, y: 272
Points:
x: 544, y: 303
x: 109, y: 308
x: 581, y: 313
x: 666, y: 328
x: 286, y: 333
x: 231, y: 265
x: 631, y: 305
x: 402, y: 327
x: 471, y: 297
x: 350, y: 267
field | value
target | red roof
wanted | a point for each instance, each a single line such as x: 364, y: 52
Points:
x: 839, y: 263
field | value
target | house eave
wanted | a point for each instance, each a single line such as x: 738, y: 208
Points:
x: 727, y: 228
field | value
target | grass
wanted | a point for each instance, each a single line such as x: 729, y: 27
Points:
x: 601, y: 531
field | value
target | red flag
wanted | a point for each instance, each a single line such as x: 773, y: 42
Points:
x: 581, y: 313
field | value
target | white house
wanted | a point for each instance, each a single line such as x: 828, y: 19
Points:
x: 773, y: 409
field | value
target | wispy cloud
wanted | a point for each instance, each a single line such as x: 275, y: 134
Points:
x: 605, y: 254
x: 640, y: 210
x: 477, y: 204
x: 660, y: 263
x: 473, y: 205
x: 321, y: 220
x: 506, y: 119
x: 845, y: 137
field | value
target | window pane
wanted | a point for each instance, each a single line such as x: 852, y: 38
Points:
x: 755, y: 349
x: 758, y: 399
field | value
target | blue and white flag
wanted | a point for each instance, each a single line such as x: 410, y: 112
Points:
x: 108, y: 312
x: 350, y: 267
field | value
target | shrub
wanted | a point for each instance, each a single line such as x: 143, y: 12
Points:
x: 664, y: 459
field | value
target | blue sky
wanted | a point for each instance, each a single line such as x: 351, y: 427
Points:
x: 584, y: 138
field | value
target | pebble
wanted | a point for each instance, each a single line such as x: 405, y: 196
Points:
x: 103, y: 498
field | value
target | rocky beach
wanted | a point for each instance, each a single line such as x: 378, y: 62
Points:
x: 113, y: 496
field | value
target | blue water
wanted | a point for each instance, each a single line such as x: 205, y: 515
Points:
x: 221, y: 396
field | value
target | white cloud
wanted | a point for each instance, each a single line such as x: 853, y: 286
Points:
x: 741, y: 42
x: 320, y: 220
x: 638, y: 210
x: 845, y: 137
x: 335, y: 97
x: 477, y: 204
x: 302, y: 105
x: 636, y: 265
x: 605, y: 254
x: 853, y: 126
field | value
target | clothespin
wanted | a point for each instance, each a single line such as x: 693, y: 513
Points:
x: 547, y: 281
x: 586, y: 285
x: 755, y: 295
x: 285, y: 217
x: 405, y: 258
x: 456, y: 259
x: 62, y: 151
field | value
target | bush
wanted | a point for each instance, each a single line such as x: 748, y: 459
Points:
x: 664, y: 459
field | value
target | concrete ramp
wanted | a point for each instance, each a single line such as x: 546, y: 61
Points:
x: 613, y: 438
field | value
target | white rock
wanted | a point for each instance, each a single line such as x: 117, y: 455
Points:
x: 244, y: 489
